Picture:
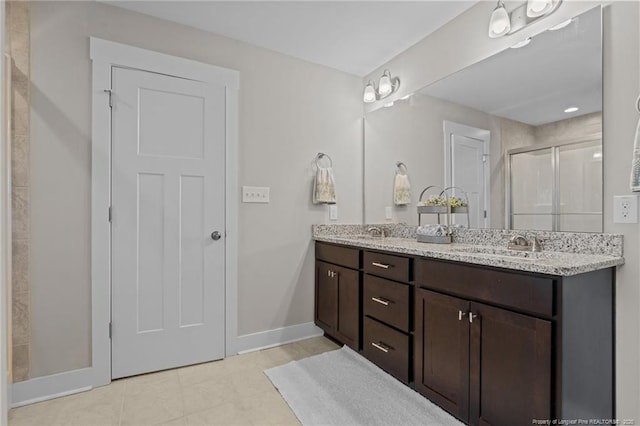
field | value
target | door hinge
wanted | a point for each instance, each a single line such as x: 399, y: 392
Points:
x: 485, y: 214
x: 110, y: 214
x: 110, y: 93
x: 484, y: 157
x: 110, y: 330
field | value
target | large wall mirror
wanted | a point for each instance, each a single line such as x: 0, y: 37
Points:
x: 519, y: 134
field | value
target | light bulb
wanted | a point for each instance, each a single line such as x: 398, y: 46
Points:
x: 499, y: 24
x: 369, y: 93
x: 384, y: 86
x: 537, y: 8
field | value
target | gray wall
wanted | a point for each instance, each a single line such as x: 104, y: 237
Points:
x: 464, y: 41
x: 289, y: 110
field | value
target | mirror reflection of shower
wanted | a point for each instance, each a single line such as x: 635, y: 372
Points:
x: 556, y: 188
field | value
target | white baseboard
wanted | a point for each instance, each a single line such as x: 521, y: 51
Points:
x: 279, y: 336
x: 49, y: 387
x: 70, y: 382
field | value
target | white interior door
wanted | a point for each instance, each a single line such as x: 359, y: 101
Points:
x: 466, y: 166
x: 468, y: 173
x: 168, y: 181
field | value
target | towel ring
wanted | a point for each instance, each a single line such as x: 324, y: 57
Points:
x: 400, y: 165
x: 320, y: 156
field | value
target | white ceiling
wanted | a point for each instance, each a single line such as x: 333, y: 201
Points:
x: 536, y: 83
x: 352, y: 36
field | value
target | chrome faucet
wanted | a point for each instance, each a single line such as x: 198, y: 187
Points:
x: 375, y: 231
x: 518, y: 242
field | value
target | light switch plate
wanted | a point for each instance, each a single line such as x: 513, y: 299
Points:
x: 255, y: 194
x: 333, y: 212
x: 388, y: 214
x: 625, y: 209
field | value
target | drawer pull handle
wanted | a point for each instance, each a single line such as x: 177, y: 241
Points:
x: 471, y: 317
x: 381, y: 265
x: 380, y: 301
x: 381, y: 347
x: 460, y: 315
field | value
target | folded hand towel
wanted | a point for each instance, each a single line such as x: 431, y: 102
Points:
x: 635, y: 162
x: 401, y: 190
x: 433, y: 230
x: 324, y: 188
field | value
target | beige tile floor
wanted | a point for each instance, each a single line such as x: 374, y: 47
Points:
x: 234, y: 391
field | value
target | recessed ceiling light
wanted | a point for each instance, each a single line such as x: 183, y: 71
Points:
x: 522, y: 43
x: 571, y: 109
x: 561, y: 25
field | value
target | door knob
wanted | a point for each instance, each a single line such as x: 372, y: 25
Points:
x: 215, y: 236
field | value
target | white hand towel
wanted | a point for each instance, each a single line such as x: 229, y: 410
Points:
x: 635, y: 164
x: 401, y: 190
x: 324, y: 188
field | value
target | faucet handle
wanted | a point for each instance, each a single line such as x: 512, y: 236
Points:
x: 535, y: 244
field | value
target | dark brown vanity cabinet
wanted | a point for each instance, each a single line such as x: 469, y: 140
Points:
x: 337, y: 301
x: 386, y: 309
x: 494, y: 347
x: 484, y: 365
x: 491, y: 346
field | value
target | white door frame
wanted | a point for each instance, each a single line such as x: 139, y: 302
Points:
x: 104, y: 56
x: 450, y: 128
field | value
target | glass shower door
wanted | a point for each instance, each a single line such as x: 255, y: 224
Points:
x: 580, y: 187
x: 558, y: 188
x: 532, y: 190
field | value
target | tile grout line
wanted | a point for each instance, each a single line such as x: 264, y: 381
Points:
x: 124, y: 393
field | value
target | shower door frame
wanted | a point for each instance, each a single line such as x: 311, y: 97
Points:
x: 555, y: 159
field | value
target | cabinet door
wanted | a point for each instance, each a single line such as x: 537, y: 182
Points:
x: 326, y: 314
x: 510, y: 367
x: 348, y: 322
x: 441, y: 351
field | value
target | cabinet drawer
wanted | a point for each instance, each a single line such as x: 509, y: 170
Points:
x: 386, y: 265
x: 338, y: 255
x: 517, y: 291
x: 387, y: 301
x: 386, y: 347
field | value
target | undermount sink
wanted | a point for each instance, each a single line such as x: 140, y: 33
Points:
x: 499, y: 251
x: 368, y: 237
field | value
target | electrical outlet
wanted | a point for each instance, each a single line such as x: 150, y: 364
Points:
x: 333, y: 212
x: 625, y: 209
x: 388, y: 214
x: 255, y: 194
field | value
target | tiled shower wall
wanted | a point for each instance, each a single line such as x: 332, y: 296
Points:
x: 18, y: 28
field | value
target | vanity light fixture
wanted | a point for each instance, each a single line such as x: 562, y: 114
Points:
x: 503, y: 22
x: 536, y: 8
x: 369, y: 93
x: 499, y: 24
x: 571, y: 109
x: 522, y: 43
x: 386, y: 86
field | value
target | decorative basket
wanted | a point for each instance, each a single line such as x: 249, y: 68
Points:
x: 432, y: 209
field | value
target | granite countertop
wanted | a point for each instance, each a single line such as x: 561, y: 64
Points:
x: 545, y: 262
